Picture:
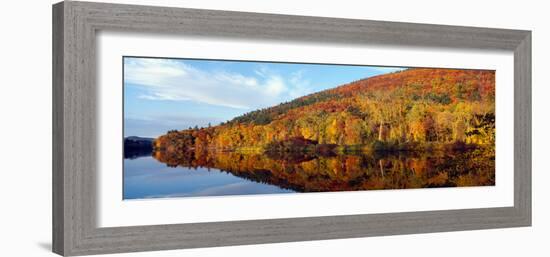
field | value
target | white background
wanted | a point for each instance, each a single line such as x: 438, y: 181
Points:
x: 114, y: 212
x: 25, y: 106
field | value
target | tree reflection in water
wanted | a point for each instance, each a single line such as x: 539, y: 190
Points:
x: 305, y: 172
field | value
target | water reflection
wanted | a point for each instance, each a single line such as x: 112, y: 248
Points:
x: 145, y: 177
x: 345, y: 172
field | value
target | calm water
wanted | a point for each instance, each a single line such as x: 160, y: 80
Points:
x: 145, y: 177
x: 228, y: 173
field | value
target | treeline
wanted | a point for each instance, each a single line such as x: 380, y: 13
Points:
x: 266, y: 115
x: 413, y: 108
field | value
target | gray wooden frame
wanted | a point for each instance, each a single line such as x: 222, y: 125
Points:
x: 75, y: 25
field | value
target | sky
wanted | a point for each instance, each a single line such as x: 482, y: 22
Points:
x: 162, y: 94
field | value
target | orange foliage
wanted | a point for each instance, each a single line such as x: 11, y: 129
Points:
x: 414, y: 106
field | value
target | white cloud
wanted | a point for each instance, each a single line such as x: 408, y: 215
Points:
x: 164, y: 79
x: 383, y: 70
x: 301, y: 86
x: 275, y: 85
x: 262, y: 71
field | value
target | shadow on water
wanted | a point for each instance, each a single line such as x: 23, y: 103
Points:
x: 304, y: 172
x: 135, y: 147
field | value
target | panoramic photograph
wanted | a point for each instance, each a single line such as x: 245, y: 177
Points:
x: 198, y: 128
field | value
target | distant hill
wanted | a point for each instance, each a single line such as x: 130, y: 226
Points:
x: 136, y: 138
x: 413, y: 108
x: 135, y: 147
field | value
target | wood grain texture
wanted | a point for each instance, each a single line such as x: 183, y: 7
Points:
x: 522, y: 128
x: 58, y: 230
x: 75, y: 25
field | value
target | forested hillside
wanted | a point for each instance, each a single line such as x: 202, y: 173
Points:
x: 410, y: 109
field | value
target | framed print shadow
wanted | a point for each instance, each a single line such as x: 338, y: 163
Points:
x: 218, y: 128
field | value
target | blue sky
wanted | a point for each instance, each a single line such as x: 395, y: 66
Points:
x: 164, y: 94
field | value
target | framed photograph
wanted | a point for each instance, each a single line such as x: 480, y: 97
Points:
x: 183, y: 128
